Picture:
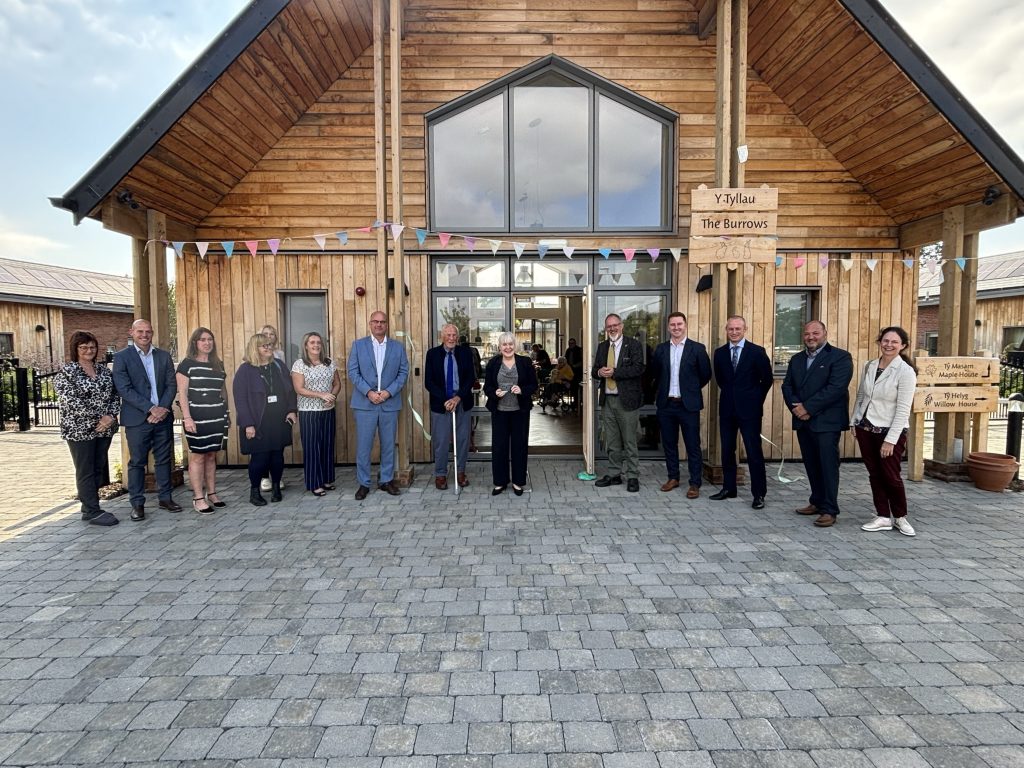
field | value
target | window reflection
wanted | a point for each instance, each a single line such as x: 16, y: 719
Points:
x: 550, y: 274
x: 469, y: 274
x: 630, y: 181
x: 641, y: 273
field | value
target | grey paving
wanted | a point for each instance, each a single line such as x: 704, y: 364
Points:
x: 567, y: 628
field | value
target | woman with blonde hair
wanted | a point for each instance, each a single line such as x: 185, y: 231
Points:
x: 317, y: 383
x: 204, y: 411
x: 266, y: 411
x: 509, y: 383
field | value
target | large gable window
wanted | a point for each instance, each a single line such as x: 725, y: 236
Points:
x: 551, y: 148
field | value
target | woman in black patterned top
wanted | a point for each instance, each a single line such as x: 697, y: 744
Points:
x: 89, y: 406
x: 204, y: 412
x: 317, y: 383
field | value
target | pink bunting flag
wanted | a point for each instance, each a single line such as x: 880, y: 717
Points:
x: 202, y: 250
x: 179, y: 248
x: 677, y: 253
x: 321, y: 240
x: 366, y: 229
x: 823, y: 261
x: 654, y: 253
x: 495, y: 245
x: 629, y: 253
x: 470, y: 243
x: 519, y: 249
x: 444, y: 237
x: 253, y: 246
x: 799, y: 261
x: 568, y: 250
x: 396, y: 230
x: 274, y: 244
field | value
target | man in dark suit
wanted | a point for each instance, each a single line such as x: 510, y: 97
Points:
x: 744, y: 376
x: 449, y: 378
x: 683, y: 369
x: 618, y: 367
x: 144, y: 378
x: 816, y: 390
x: 378, y: 368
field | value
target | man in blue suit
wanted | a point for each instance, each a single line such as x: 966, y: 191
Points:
x: 816, y: 390
x: 682, y: 368
x: 377, y: 368
x: 744, y: 376
x: 144, y: 377
x: 448, y: 376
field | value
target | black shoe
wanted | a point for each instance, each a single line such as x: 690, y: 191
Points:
x: 255, y: 498
x: 361, y: 492
x: 758, y: 502
x: 633, y: 485
x: 104, y: 519
x: 218, y: 503
x: 275, y: 492
x: 138, y: 513
x: 498, y: 490
x: 88, y: 516
x: 390, y: 488
x: 722, y: 494
x: 517, y: 490
x: 170, y: 505
x: 607, y: 480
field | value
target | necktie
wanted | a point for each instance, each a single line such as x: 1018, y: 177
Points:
x: 735, y: 356
x: 610, y: 383
x: 449, y: 376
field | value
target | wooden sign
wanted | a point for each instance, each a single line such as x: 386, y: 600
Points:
x: 733, y: 223
x: 956, y: 399
x: 721, y: 250
x: 762, y: 198
x: 957, y: 370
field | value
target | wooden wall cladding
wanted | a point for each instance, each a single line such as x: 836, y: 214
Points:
x: 32, y: 347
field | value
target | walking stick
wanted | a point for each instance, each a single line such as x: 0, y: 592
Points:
x: 455, y: 453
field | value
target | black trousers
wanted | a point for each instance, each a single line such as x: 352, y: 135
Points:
x: 263, y: 462
x: 820, y: 451
x: 509, y: 430
x: 90, y: 460
x: 673, y: 418
x: 158, y: 438
x: 750, y: 431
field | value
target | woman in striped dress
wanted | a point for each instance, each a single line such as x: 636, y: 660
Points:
x: 204, y: 410
x: 317, y: 383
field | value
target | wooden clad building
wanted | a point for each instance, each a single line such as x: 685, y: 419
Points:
x: 556, y: 142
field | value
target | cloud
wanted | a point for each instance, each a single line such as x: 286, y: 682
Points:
x: 15, y: 243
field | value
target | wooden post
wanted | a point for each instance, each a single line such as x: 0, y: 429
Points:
x: 949, y: 320
x: 160, y: 315
x: 967, y: 307
x: 379, y: 149
x: 140, y: 271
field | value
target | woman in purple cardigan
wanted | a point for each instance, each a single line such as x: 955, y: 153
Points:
x: 266, y: 411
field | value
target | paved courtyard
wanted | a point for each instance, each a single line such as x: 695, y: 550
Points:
x: 568, y: 628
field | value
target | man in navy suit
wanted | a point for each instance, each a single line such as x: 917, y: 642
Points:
x: 816, y: 390
x: 378, y: 369
x: 683, y: 368
x: 448, y: 376
x: 144, y: 378
x: 744, y: 376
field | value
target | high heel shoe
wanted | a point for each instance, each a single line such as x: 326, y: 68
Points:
x: 319, y: 492
x: 218, y: 503
x: 205, y: 510
x: 498, y: 490
x: 517, y: 490
x: 328, y: 486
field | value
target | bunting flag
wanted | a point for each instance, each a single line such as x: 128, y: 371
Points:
x: 799, y: 261
x: 605, y: 252
x: 908, y: 263
x: 274, y: 244
x: 321, y: 240
x: 366, y: 229
x: 871, y: 264
x: 495, y: 245
x: 568, y: 251
x: 179, y: 248
x: 342, y: 238
x: 470, y: 243
x: 960, y: 262
x: 677, y: 253
x: 202, y: 250
x: 542, y: 249
x: 629, y: 253
x: 933, y: 266
x: 654, y: 253
x: 253, y: 246
x: 444, y: 237
x: 847, y: 264
x: 519, y: 249
x: 823, y: 261
x: 396, y: 230
x: 421, y: 236
x: 778, y: 261
x: 228, y: 246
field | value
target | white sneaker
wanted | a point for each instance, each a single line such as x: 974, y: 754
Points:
x: 878, y: 524
x: 904, y: 526
x: 265, y: 484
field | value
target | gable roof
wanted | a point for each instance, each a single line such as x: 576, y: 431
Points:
x: 999, y: 275
x: 30, y: 283
x: 258, y: 79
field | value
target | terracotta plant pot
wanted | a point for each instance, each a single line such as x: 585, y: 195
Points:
x: 991, y: 471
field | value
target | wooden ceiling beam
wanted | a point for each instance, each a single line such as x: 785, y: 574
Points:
x: 121, y: 218
x: 977, y: 218
x: 707, y: 18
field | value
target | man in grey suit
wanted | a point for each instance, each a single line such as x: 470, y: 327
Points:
x: 618, y: 367
x: 144, y: 378
x: 378, y: 368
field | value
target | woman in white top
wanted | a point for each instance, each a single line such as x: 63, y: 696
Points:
x: 881, y: 417
x: 317, y: 383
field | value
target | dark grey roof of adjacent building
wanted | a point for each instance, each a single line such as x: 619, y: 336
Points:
x: 998, y: 275
x: 30, y: 283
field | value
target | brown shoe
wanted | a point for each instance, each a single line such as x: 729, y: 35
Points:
x: 441, y: 483
x: 825, y: 521
x: 361, y: 492
x: 390, y: 488
x: 810, y: 509
x: 463, y: 480
x: 670, y: 485
x: 693, y: 492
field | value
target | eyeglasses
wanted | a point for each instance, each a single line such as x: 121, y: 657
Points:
x: 266, y: 346
x: 87, y: 346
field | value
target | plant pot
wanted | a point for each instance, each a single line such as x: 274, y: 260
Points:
x: 991, y: 471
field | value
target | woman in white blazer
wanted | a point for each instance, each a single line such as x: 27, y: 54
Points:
x: 881, y: 417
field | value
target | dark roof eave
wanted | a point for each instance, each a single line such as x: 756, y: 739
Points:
x: 887, y: 32
x: 105, y: 175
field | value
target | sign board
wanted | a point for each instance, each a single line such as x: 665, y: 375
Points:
x: 957, y: 370
x: 763, y: 198
x: 733, y: 224
x: 720, y: 250
x: 956, y: 399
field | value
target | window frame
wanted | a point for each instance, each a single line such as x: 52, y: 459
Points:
x: 813, y: 298
x: 285, y: 336
x: 597, y: 86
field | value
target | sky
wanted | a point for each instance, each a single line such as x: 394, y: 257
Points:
x: 77, y: 74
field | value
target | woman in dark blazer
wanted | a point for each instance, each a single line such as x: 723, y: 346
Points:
x: 509, y: 383
x: 266, y: 411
